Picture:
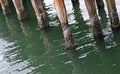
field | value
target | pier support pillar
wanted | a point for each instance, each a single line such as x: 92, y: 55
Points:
x: 5, y: 6
x: 62, y: 15
x: 91, y: 7
x: 100, y: 3
x: 112, y: 10
x: 40, y: 14
x: 19, y: 9
x: 75, y: 1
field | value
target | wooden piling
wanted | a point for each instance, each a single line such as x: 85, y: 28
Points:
x: 5, y: 6
x: 62, y: 14
x: 112, y: 10
x: 100, y: 4
x: 97, y: 31
x: 19, y: 9
x: 75, y: 1
x: 40, y: 14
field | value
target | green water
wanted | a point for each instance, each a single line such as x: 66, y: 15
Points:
x: 25, y: 49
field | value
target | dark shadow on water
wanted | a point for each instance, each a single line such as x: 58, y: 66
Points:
x: 78, y: 15
x: 13, y: 24
x: 35, y: 48
x: 80, y: 28
x: 99, y: 60
x: 45, y: 40
x: 26, y: 29
x: 103, y: 17
x: 100, y: 44
x: 116, y: 37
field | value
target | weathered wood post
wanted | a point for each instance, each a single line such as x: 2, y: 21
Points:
x: 40, y: 13
x: 97, y: 31
x: 112, y: 10
x: 5, y: 6
x: 100, y: 4
x: 19, y: 9
x: 75, y: 1
x: 62, y: 14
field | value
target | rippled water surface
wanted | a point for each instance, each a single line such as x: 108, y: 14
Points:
x: 25, y: 49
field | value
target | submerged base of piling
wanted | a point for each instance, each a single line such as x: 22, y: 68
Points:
x: 6, y: 9
x: 42, y: 21
x: 114, y: 19
x: 69, y: 41
x: 97, y: 31
x: 21, y: 15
